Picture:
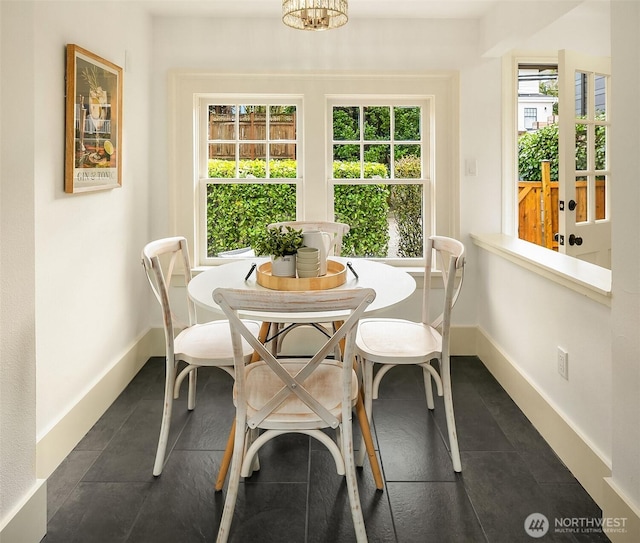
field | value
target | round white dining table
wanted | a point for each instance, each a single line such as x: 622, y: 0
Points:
x: 392, y: 285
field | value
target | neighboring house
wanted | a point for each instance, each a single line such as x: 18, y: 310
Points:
x: 535, y: 109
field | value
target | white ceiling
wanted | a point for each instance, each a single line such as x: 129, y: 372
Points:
x: 404, y: 9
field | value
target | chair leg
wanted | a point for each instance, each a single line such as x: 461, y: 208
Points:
x: 226, y: 459
x: 234, y: 483
x: 170, y: 379
x: 367, y: 390
x: 191, y: 398
x: 352, y: 482
x: 428, y: 388
x: 367, y: 444
x: 451, y: 421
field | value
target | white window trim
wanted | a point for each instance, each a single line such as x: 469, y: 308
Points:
x: 203, y: 159
x: 591, y: 280
x: 426, y: 142
x: 186, y: 86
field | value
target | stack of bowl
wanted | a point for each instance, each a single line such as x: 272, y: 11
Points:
x: 308, y: 262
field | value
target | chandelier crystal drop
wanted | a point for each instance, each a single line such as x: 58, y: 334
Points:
x: 315, y: 14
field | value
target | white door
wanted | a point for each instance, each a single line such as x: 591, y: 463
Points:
x: 585, y: 180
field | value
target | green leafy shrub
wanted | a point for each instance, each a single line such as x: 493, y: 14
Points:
x: 406, y: 206
x: 534, y: 147
x: 237, y: 213
x: 365, y: 208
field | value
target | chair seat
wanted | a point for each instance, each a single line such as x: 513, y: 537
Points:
x: 262, y: 383
x: 405, y: 342
x: 209, y: 344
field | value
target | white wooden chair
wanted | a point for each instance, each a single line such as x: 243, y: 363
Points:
x: 391, y: 342
x: 336, y: 229
x: 274, y: 396
x: 191, y: 343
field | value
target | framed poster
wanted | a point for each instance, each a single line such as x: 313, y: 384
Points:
x: 93, y: 139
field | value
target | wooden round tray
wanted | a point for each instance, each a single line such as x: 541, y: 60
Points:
x: 336, y: 276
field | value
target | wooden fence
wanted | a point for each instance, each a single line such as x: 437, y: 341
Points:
x: 252, y: 126
x: 538, y: 208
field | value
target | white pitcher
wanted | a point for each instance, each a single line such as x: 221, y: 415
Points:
x: 322, y: 242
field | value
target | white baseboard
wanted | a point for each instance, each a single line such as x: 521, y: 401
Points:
x: 463, y: 340
x: 623, y: 518
x: 53, y: 448
x: 27, y: 523
x: 588, y: 467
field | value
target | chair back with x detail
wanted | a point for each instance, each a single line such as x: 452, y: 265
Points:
x: 390, y: 342
x: 187, y: 344
x: 274, y: 396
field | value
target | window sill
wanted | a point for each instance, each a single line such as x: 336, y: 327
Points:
x: 583, y: 277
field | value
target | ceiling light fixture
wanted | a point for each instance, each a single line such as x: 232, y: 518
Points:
x: 315, y: 14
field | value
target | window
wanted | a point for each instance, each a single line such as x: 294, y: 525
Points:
x: 530, y: 118
x: 249, y: 149
x: 250, y: 175
x: 378, y: 155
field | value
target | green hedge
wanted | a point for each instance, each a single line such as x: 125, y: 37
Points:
x: 237, y: 213
x: 542, y: 144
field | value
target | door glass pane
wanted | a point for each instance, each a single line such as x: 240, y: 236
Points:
x: 600, y: 98
x: 581, y: 93
x: 581, y: 147
x: 581, y: 199
x: 237, y: 213
x: 601, y: 197
x: 601, y: 147
x: 346, y: 123
x: 377, y: 123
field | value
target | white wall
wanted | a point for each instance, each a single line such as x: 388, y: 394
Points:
x: 74, y: 296
x: 525, y: 314
x: 88, y: 274
x: 17, y: 302
x: 626, y: 249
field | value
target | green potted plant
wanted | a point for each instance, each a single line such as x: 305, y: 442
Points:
x: 281, y: 244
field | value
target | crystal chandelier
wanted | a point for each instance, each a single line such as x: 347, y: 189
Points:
x: 314, y: 14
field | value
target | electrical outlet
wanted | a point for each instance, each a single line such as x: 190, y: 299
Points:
x: 563, y: 363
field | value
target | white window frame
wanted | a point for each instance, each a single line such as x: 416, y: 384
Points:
x: 186, y: 88
x: 202, y: 156
x: 427, y: 137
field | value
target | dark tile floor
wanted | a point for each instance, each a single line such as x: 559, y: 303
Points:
x: 105, y: 492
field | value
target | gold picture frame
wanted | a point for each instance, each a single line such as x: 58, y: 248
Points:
x: 93, y: 131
